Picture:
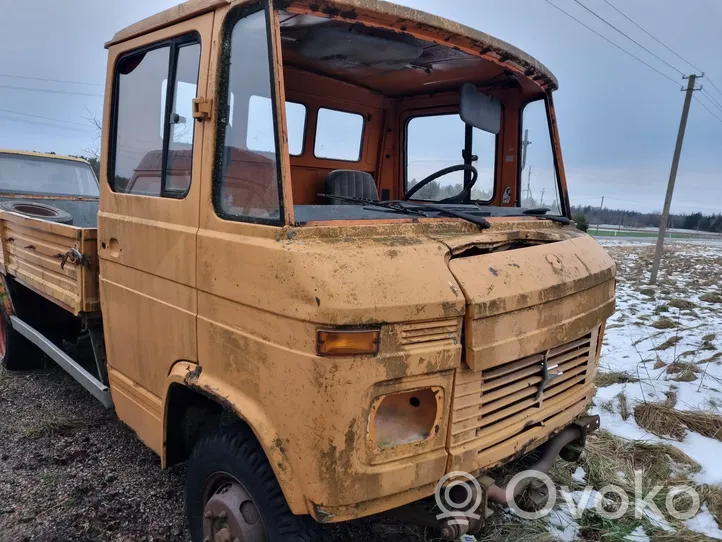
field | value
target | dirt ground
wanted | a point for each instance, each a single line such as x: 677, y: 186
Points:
x: 71, y: 471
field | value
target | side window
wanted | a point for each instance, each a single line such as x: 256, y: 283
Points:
x: 436, y: 142
x: 260, y: 134
x: 539, y: 182
x: 247, y: 185
x: 339, y: 135
x: 152, y: 142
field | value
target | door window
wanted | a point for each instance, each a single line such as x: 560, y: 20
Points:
x: 152, y: 143
x: 249, y: 185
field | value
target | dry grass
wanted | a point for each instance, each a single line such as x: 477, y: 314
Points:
x: 713, y: 357
x: 623, y: 407
x: 659, y: 364
x: 711, y: 298
x: 57, y: 425
x: 649, y: 292
x: 709, y: 338
x: 664, y: 323
x: 712, y: 495
x: 614, y: 377
x: 663, y: 420
x: 669, y: 343
x: 650, y: 417
x: 607, y: 455
x: 683, y: 371
x: 681, y: 304
x: 677, y: 367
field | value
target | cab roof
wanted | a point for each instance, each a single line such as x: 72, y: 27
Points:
x: 376, y: 13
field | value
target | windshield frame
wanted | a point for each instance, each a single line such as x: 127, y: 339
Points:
x: 49, y: 158
x: 437, y: 112
x: 556, y: 154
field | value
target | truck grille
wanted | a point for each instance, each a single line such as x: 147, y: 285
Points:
x: 501, y: 403
x: 436, y: 333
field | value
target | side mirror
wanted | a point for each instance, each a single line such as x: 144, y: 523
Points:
x: 478, y: 110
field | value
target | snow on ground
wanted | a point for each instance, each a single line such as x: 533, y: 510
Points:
x: 705, y: 523
x: 669, y: 339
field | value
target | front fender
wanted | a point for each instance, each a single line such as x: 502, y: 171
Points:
x: 192, y: 376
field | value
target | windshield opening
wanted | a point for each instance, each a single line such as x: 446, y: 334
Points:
x: 538, y: 172
x: 26, y: 174
x: 436, y: 142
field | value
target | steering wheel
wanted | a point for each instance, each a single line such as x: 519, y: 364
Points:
x: 431, y: 178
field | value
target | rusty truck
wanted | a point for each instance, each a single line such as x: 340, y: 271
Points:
x: 333, y: 262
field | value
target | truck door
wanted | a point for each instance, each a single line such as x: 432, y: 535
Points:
x: 149, y: 208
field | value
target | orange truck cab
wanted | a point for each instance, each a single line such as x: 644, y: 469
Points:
x: 336, y: 262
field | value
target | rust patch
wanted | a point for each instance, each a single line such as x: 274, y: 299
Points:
x: 192, y: 376
x: 331, y: 11
x: 350, y: 14
x: 321, y: 515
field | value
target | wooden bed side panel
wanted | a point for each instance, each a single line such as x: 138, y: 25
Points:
x: 33, y: 250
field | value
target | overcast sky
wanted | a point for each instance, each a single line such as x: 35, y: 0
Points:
x: 617, y: 118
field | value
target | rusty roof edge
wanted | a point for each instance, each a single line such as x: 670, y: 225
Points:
x: 44, y: 155
x: 192, y: 8
x: 176, y: 14
x: 524, y: 60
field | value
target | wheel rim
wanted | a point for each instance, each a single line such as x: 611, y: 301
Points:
x: 229, y: 512
x: 3, y: 338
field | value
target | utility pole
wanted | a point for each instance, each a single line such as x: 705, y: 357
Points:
x: 601, y: 208
x: 524, y: 145
x: 542, y: 198
x: 528, y: 185
x: 673, y: 175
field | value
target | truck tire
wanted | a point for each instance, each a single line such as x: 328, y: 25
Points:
x: 16, y: 352
x: 228, y: 473
x: 34, y: 209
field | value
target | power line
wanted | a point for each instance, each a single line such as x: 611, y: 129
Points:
x: 12, y: 87
x: 651, y: 36
x: 26, y: 121
x: 711, y: 98
x: 628, y: 37
x: 713, y: 85
x: 46, y: 118
x: 610, y: 41
x: 707, y: 108
x: 50, y: 80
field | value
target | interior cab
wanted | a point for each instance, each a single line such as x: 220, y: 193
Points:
x: 371, y: 112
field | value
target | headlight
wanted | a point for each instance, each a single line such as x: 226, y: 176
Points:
x: 406, y: 417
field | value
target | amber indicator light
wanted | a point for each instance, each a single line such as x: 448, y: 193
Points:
x: 348, y: 342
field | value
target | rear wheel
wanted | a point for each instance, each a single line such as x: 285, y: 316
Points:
x: 232, y: 494
x: 16, y: 352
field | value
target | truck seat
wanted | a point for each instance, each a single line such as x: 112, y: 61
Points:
x: 352, y: 184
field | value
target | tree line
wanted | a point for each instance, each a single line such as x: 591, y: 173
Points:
x: 635, y: 219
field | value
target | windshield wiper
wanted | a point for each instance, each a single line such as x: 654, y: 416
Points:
x: 474, y: 219
x: 384, y: 205
x: 541, y: 213
x: 412, y: 208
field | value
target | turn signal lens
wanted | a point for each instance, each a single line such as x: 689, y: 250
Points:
x: 348, y: 342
